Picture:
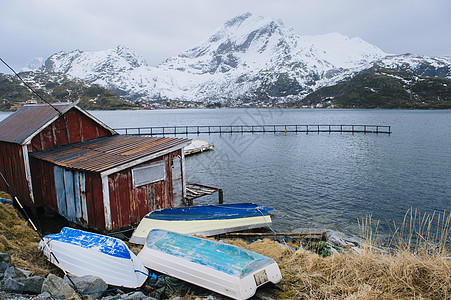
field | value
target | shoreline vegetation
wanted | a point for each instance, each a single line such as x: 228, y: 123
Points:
x: 416, y: 263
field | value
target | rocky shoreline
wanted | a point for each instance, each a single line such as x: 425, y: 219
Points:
x: 17, y: 283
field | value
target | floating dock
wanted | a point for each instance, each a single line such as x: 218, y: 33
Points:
x: 198, y: 146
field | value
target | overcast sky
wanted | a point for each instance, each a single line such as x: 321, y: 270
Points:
x: 164, y: 28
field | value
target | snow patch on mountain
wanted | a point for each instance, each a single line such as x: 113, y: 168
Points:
x: 33, y: 64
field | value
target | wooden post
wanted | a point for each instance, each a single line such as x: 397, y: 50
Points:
x: 221, y: 196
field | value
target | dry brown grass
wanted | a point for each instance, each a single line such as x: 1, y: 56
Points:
x: 411, y: 270
x: 416, y: 268
x: 21, y: 242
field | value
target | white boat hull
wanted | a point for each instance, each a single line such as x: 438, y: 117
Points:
x: 201, y: 227
x: 191, y: 264
x: 80, y: 261
x: 206, y: 220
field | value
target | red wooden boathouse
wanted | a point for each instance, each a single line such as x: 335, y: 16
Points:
x: 66, y: 160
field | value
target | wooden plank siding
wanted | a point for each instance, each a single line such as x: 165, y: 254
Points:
x: 70, y: 128
x: 13, y: 168
x: 44, y: 184
x: 129, y: 205
x: 94, y: 201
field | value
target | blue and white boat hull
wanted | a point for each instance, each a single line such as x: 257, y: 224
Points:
x: 228, y: 270
x: 84, y: 253
x: 206, y: 220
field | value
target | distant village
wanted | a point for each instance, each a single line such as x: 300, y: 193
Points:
x: 174, y: 104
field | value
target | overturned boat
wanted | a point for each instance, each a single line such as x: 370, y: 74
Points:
x: 206, y: 220
x: 84, y: 253
x: 226, y: 269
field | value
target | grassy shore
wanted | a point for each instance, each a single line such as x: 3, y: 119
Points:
x: 416, y: 266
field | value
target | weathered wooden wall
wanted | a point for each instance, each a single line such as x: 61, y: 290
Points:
x: 70, y: 128
x: 129, y: 205
x: 12, y: 167
x: 43, y: 184
x: 88, y: 194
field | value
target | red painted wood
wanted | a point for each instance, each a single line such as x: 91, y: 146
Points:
x: 90, y: 200
x: 60, y: 132
x: 123, y: 197
x: 73, y: 127
x: 96, y: 186
x: 113, y: 203
x: 157, y: 189
x: 49, y: 191
x: 35, y: 144
x: 141, y: 197
x: 47, y: 138
x: 74, y: 123
x: 135, y: 202
x: 43, y: 184
x: 13, y: 169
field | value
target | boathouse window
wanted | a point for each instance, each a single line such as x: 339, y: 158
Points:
x: 148, y: 174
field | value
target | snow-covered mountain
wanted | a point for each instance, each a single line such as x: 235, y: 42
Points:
x: 34, y: 64
x: 249, y: 58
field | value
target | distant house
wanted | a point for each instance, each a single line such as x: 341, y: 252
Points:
x: 68, y: 161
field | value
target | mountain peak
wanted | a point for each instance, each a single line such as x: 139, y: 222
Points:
x: 133, y: 58
x: 237, y: 20
x: 34, y: 64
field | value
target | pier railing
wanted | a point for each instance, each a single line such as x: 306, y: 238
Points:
x: 202, y: 129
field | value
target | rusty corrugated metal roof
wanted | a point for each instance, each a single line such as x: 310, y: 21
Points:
x: 29, y: 120
x: 104, y: 153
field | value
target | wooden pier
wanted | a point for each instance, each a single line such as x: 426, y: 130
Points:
x: 223, y: 129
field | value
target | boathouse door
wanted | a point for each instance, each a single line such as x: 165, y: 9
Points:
x: 71, y: 194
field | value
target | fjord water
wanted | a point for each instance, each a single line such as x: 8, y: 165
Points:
x: 325, y: 179
x: 315, y: 180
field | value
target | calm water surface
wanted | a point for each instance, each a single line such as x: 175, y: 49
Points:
x: 315, y: 180
x: 319, y: 179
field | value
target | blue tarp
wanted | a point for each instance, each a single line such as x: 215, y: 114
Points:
x: 5, y: 201
x: 105, y: 244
